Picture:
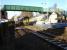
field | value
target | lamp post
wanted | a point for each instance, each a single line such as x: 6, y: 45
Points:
x: 46, y: 7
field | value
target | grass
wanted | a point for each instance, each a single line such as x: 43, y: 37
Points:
x: 62, y: 37
x: 35, y: 28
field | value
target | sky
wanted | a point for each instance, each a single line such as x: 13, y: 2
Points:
x: 40, y: 3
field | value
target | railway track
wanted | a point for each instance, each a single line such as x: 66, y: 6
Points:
x: 51, y: 41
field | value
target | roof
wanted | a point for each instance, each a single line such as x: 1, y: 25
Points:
x: 22, y: 8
